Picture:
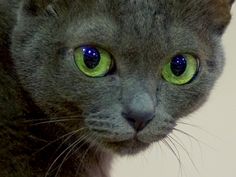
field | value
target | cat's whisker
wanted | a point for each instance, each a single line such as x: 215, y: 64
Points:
x: 80, y: 161
x: 187, y: 134
x: 63, y: 152
x: 179, y: 157
x: 64, y: 159
x: 68, y: 154
x: 180, y: 141
x: 199, y: 143
x: 173, y: 151
x: 187, y: 153
x: 61, y: 137
x: 70, y: 136
x: 77, y: 117
x: 189, y: 124
x: 54, y: 121
x: 198, y: 127
x: 181, y: 166
x: 66, y: 116
x: 50, y: 169
x: 84, y: 139
x: 93, y: 136
x: 159, y: 144
x: 93, y: 139
x: 192, y: 137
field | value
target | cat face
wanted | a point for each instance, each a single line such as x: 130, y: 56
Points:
x: 158, y: 61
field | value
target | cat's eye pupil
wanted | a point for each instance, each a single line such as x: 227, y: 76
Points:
x: 91, y: 57
x: 178, y: 65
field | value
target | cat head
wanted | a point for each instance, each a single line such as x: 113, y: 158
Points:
x: 123, y: 71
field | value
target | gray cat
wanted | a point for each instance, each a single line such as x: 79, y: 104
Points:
x: 81, y: 80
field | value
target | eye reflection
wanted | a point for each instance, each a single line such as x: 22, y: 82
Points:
x: 93, y: 61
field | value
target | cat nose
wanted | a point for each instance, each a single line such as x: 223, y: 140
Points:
x: 139, y: 112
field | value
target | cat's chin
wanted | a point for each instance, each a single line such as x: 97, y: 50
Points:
x: 127, y: 147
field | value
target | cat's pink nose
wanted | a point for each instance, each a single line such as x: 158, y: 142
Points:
x: 139, y: 112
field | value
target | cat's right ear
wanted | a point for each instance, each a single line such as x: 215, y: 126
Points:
x: 231, y: 2
x: 38, y: 7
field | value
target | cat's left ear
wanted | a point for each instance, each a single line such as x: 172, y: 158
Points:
x: 39, y: 7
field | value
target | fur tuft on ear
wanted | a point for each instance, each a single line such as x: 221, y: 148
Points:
x: 35, y: 7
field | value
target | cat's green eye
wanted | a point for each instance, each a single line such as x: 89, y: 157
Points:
x: 93, y: 61
x: 181, y: 69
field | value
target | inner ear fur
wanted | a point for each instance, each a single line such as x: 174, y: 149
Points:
x: 36, y: 7
x: 51, y: 7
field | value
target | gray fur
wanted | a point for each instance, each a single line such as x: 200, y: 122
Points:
x: 41, y: 82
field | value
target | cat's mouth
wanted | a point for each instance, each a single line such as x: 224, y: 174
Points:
x: 131, y: 142
x: 131, y: 146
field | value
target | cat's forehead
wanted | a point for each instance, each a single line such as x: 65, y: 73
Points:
x: 138, y: 24
x: 207, y: 13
